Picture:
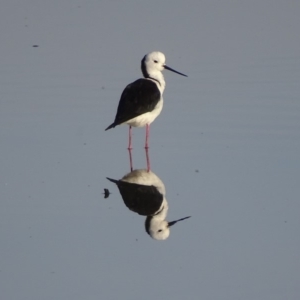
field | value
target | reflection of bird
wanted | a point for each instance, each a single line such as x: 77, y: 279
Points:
x: 106, y: 193
x: 157, y: 227
x: 141, y: 101
x: 144, y: 193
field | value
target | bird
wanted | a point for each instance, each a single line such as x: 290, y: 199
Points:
x: 141, y: 101
x: 143, y: 192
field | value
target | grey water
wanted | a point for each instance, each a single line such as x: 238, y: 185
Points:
x: 226, y: 146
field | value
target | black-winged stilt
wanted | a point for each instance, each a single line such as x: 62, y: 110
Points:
x: 141, y: 101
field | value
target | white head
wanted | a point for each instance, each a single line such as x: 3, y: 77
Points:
x: 152, y: 65
x: 157, y: 227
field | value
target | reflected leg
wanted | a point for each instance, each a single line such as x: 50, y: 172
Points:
x: 148, y: 160
x: 130, y: 160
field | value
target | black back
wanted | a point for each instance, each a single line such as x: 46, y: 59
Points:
x: 143, y: 199
x: 138, y: 98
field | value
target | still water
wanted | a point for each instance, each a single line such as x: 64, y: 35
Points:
x: 225, y: 147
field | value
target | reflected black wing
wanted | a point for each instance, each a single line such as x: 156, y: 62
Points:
x: 143, y: 199
x: 137, y: 98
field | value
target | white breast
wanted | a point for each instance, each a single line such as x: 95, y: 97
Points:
x: 146, y: 118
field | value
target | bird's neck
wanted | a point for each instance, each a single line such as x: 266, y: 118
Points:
x: 162, y: 213
x: 158, y: 78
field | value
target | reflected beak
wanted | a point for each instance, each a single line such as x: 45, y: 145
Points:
x: 174, y: 222
x: 170, y: 69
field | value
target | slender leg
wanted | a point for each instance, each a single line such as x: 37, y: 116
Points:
x: 147, y: 136
x: 148, y: 160
x: 130, y: 159
x: 129, y: 144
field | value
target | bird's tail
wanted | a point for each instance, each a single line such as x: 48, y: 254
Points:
x: 113, y: 180
x: 111, y: 126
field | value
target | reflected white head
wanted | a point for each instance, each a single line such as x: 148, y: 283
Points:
x: 158, y: 228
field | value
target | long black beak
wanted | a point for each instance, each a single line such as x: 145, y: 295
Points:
x: 174, y: 222
x: 170, y: 69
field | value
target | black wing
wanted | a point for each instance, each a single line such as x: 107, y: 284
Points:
x: 137, y: 98
x: 143, y: 199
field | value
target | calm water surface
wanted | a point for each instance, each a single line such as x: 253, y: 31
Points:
x: 226, y: 147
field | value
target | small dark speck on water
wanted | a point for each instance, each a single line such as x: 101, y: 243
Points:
x: 35, y: 46
x: 197, y: 171
x: 106, y: 193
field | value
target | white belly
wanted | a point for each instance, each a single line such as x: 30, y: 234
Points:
x: 146, y: 118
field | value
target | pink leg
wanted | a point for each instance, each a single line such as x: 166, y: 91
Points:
x: 130, y: 159
x: 148, y: 160
x: 129, y: 144
x: 147, y: 136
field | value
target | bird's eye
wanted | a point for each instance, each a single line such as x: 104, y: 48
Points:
x: 160, y: 230
x: 156, y: 61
